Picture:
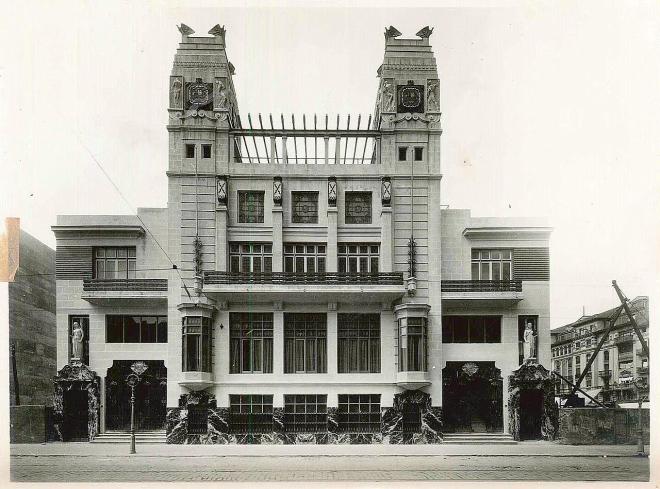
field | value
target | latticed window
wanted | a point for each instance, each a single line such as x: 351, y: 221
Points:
x: 306, y: 413
x: 412, y: 344
x: 359, y: 413
x: 304, y: 207
x: 250, y: 207
x: 358, y: 348
x: 197, y: 419
x: 113, y: 262
x: 358, y: 207
x: 412, y: 418
x: 250, y: 257
x: 251, y: 342
x: 305, y: 343
x: 358, y: 257
x: 304, y: 258
x: 251, y: 414
x: 491, y: 265
x: 196, y: 344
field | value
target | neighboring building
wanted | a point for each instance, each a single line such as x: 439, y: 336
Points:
x: 321, y: 293
x: 620, y: 360
x: 32, y: 324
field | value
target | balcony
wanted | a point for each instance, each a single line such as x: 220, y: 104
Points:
x: 624, y: 338
x: 125, y: 291
x: 304, y: 287
x: 481, y: 292
x: 626, y: 357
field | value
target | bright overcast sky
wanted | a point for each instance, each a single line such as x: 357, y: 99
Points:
x: 549, y: 109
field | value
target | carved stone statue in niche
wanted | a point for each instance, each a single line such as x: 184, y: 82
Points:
x: 77, y: 337
x: 388, y: 96
x: 432, y: 95
x: 529, y: 342
x: 176, y: 92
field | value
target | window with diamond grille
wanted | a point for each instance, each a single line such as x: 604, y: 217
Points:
x: 305, y: 343
x: 251, y: 342
x: 358, y: 207
x: 306, y: 413
x: 304, y: 207
x: 251, y: 414
x: 358, y: 343
x: 304, y: 258
x: 359, y: 413
x: 250, y: 257
x: 358, y: 258
x: 250, y: 207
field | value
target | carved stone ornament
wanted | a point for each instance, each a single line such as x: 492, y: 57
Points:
x: 176, y: 92
x: 332, y: 191
x: 432, y: 120
x: 221, y: 182
x: 432, y: 96
x: 388, y: 98
x: 470, y: 368
x: 221, y: 98
x: 139, y: 367
x: 425, y: 32
x: 277, y: 191
x: 199, y: 95
x: 386, y: 191
x: 218, y: 31
x: 185, y: 30
x: 410, y: 98
x: 391, y: 32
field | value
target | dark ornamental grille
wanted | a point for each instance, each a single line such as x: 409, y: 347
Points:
x: 251, y: 207
x: 358, y: 207
x: 251, y: 414
x: 305, y: 413
x: 305, y: 207
x: 198, y: 419
x: 359, y: 413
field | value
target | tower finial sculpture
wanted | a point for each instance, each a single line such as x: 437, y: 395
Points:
x: 425, y: 32
x: 185, y: 30
x: 218, y: 31
x: 391, y: 32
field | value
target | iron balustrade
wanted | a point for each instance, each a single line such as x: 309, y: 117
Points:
x: 292, y: 278
x: 481, y: 286
x: 131, y: 284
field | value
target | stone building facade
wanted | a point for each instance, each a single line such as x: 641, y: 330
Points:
x: 304, y: 283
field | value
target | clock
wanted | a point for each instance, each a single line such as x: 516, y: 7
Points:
x: 410, y: 98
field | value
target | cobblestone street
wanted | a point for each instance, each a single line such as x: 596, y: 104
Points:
x: 199, y: 465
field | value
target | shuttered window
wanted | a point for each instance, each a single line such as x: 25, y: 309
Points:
x: 531, y: 264
x: 73, y: 262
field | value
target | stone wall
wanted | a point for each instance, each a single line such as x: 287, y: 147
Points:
x: 601, y: 426
x: 27, y: 424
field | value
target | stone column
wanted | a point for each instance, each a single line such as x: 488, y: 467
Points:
x: 386, y: 240
x: 332, y: 346
x: 331, y: 257
x: 278, y: 257
x: 221, y: 238
x: 278, y: 342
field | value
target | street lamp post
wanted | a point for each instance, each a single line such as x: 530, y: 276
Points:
x: 639, y: 390
x: 132, y: 380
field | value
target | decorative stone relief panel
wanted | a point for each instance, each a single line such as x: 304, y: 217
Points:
x: 176, y: 92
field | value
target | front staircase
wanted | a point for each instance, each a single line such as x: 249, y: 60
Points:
x: 124, y: 437
x: 478, y: 439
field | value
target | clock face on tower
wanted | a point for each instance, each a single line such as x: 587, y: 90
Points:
x: 410, y: 98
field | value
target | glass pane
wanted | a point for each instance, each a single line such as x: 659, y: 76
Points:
x: 288, y: 264
x: 131, y: 252
x: 148, y: 329
x: 256, y: 264
x: 300, y: 264
x: 485, y: 271
x: 100, y: 269
x: 364, y: 267
x: 114, y: 329
x: 475, y: 254
x: 496, y: 271
x: 485, y: 255
x: 321, y: 265
x: 374, y: 265
x: 352, y: 264
x: 122, y: 253
x: 300, y: 355
x: 268, y: 264
x: 310, y: 264
x: 475, y: 271
x: 341, y: 264
x: 111, y: 253
x: 246, y: 356
x: 506, y: 271
x: 234, y: 264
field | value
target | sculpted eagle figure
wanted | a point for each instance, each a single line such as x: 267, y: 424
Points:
x: 185, y: 30
x: 391, y: 31
x: 425, y: 32
x: 216, y: 30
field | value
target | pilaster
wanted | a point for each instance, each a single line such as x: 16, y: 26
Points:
x: 331, y: 257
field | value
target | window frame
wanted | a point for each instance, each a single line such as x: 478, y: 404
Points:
x: 421, y: 153
x: 187, y: 149
x: 205, y: 147
x: 250, y: 413
x: 161, y: 332
x: 239, y: 251
x: 240, y: 336
x: 407, y: 342
x: 477, y: 328
x: 371, y: 254
x: 359, y: 329
x: 401, y: 149
x: 300, y: 219
x: 351, y: 418
x: 305, y: 254
x: 204, y: 353
x: 485, y: 258
x: 306, y: 413
x: 243, y: 215
x: 103, y: 254
x: 306, y: 333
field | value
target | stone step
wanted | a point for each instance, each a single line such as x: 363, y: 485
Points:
x: 479, y: 438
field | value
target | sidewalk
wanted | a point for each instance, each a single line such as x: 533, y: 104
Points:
x: 522, y: 449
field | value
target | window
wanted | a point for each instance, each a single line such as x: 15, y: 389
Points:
x: 250, y: 257
x: 306, y: 413
x: 135, y: 329
x: 412, y: 344
x: 606, y: 360
x: 114, y: 263
x: 251, y: 343
x: 419, y: 153
x: 471, y: 329
x: 403, y: 153
x: 196, y: 344
x: 198, y: 419
x: 491, y: 265
x: 357, y: 258
x: 570, y: 369
x: 358, y: 207
x: 577, y: 367
x: 305, y: 343
x: 250, y: 207
x: 251, y: 414
x: 304, y: 258
x: 412, y: 418
x: 190, y: 150
x: 359, y: 413
x: 358, y: 337
x: 304, y: 207
x: 206, y: 150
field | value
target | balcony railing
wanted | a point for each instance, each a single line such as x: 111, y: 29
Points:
x: 287, y: 278
x: 481, y: 286
x: 125, y: 285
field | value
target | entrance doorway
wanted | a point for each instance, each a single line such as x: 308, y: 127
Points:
x: 531, y: 414
x: 150, y: 397
x: 472, y: 397
x: 75, y: 415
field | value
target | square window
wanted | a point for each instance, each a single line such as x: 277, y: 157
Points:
x: 190, y: 150
x: 403, y: 153
x: 206, y: 150
x: 304, y: 207
x: 419, y: 153
x: 250, y: 207
x: 358, y: 207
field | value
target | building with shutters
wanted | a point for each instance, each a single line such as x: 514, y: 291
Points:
x: 321, y: 293
x: 620, y: 360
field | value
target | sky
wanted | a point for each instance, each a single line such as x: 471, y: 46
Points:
x: 549, y: 109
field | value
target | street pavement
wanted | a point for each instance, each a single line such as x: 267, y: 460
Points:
x: 84, y: 462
